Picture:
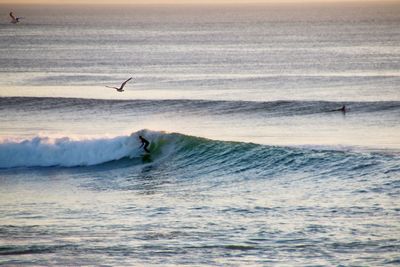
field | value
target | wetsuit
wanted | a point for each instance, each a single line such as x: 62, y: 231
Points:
x: 145, y: 143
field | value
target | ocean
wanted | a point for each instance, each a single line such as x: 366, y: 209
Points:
x: 251, y: 161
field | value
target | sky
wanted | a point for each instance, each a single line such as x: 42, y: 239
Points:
x: 169, y: 1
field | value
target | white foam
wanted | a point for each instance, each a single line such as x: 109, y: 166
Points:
x: 67, y: 152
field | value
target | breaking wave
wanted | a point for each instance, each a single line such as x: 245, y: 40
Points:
x: 191, y: 155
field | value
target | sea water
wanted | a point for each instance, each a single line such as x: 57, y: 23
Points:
x: 249, y: 164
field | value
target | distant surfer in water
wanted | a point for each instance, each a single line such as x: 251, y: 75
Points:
x: 145, y: 143
x: 342, y: 109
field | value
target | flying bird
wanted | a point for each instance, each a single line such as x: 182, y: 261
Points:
x: 120, y: 89
x: 14, y: 20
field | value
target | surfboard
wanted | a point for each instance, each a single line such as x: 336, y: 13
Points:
x: 146, y: 158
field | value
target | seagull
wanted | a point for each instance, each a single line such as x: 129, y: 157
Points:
x: 120, y: 89
x: 14, y: 20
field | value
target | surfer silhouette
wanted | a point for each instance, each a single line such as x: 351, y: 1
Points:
x: 144, y: 144
x: 342, y: 109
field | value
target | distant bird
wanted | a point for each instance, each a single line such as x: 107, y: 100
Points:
x: 14, y: 20
x: 120, y: 89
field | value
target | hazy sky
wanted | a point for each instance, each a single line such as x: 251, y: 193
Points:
x: 168, y: 1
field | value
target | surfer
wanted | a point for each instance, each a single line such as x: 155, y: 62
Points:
x: 342, y: 109
x: 144, y: 144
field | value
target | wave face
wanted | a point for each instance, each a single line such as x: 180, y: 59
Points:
x: 189, y: 155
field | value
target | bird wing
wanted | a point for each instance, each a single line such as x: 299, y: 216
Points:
x: 112, y: 87
x: 12, y: 16
x: 123, y: 84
